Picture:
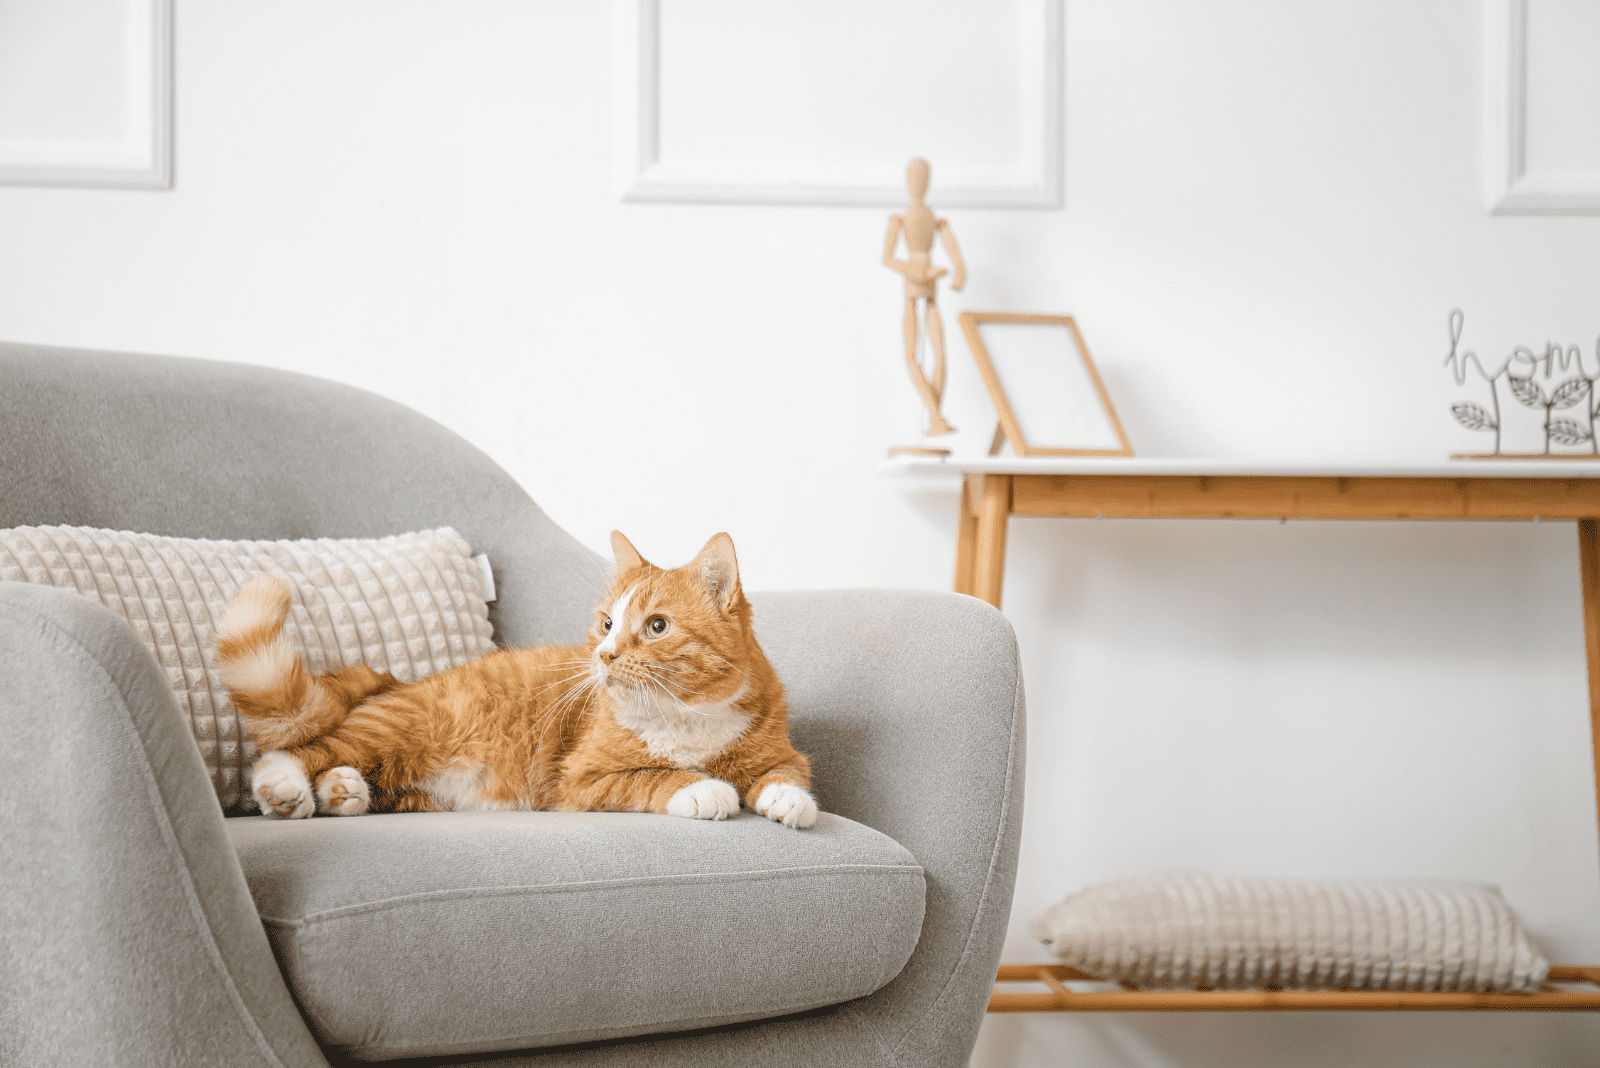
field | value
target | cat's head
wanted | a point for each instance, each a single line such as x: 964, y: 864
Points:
x: 674, y: 638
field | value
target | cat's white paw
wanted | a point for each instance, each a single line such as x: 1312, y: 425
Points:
x: 280, y: 786
x: 788, y: 804
x: 708, y: 799
x: 342, y: 791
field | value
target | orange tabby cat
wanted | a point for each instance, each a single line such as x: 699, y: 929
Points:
x: 672, y: 707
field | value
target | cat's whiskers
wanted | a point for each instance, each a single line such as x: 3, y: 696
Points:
x: 587, y: 670
x: 678, y: 699
x: 575, y: 687
x: 681, y: 671
x: 656, y: 713
x: 645, y: 700
x: 633, y: 680
x: 569, y: 699
x: 692, y: 693
x: 682, y: 688
x: 582, y: 665
x: 657, y: 710
x: 559, y: 708
x: 563, y: 681
x: 685, y: 689
x: 671, y: 668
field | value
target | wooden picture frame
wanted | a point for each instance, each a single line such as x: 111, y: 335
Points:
x: 1114, y: 440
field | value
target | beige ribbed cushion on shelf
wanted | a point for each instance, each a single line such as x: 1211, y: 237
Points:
x: 410, y: 604
x: 1185, y: 931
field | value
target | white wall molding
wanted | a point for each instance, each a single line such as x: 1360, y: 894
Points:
x: 1511, y: 189
x: 640, y: 174
x: 142, y: 158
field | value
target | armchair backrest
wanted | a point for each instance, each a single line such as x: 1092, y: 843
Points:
x: 204, y: 449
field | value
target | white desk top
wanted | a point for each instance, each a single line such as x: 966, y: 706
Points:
x: 925, y: 466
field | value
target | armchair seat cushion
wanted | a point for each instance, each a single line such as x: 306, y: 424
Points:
x: 426, y: 934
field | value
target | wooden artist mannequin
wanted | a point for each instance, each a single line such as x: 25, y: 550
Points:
x: 920, y: 227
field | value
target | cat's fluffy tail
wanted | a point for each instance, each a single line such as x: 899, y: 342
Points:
x: 281, y: 705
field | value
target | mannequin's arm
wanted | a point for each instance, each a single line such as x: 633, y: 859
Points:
x: 948, y: 236
x: 896, y: 222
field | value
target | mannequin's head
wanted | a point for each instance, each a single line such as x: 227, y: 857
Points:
x: 917, y: 172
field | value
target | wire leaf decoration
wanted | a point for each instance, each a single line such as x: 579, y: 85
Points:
x: 1527, y: 391
x: 1472, y: 416
x: 1569, y: 393
x: 1563, y: 395
x: 1566, y: 432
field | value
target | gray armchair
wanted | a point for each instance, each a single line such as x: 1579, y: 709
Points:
x: 131, y: 909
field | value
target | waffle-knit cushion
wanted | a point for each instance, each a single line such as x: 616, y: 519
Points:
x: 409, y: 604
x: 421, y: 934
x: 1179, y: 930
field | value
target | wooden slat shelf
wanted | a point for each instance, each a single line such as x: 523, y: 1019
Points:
x: 1562, y: 993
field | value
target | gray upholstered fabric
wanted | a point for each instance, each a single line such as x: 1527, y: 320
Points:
x: 910, y: 705
x: 503, y: 930
x: 127, y: 935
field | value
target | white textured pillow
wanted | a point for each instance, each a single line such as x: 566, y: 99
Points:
x: 410, y: 604
x: 1186, y: 931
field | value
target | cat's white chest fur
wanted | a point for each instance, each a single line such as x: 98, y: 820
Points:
x: 687, y: 735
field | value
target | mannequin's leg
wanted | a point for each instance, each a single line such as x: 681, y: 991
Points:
x: 936, y: 423
x: 935, y: 328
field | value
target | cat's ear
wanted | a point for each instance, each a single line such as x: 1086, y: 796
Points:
x: 717, y: 569
x: 627, y: 556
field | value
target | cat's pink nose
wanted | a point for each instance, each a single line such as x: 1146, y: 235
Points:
x: 608, y: 655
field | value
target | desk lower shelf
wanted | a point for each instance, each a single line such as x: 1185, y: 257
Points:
x: 1570, y: 987
x: 992, y: 493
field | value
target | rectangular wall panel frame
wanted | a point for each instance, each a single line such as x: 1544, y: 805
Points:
x: 143, y: 159
x: 1510, y: 188
x: 641, y: 175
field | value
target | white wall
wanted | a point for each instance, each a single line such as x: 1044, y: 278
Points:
x: 1269, y: 211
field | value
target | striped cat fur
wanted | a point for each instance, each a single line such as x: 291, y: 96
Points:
x: 670, y: 707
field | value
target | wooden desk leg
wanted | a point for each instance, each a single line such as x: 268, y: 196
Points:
x: 990, y: 565
x: 967, y: 534
x: 1589, y: 563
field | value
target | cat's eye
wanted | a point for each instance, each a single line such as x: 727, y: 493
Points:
x: 605, y: 624
x: 657, y: 626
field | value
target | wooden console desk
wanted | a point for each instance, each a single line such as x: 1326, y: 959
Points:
x: 994, y: 489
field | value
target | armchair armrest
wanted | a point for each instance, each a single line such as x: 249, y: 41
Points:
x: 910, y: 706
x: 128, y: 931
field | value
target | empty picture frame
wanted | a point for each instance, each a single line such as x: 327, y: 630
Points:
x: 1044, y: 385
